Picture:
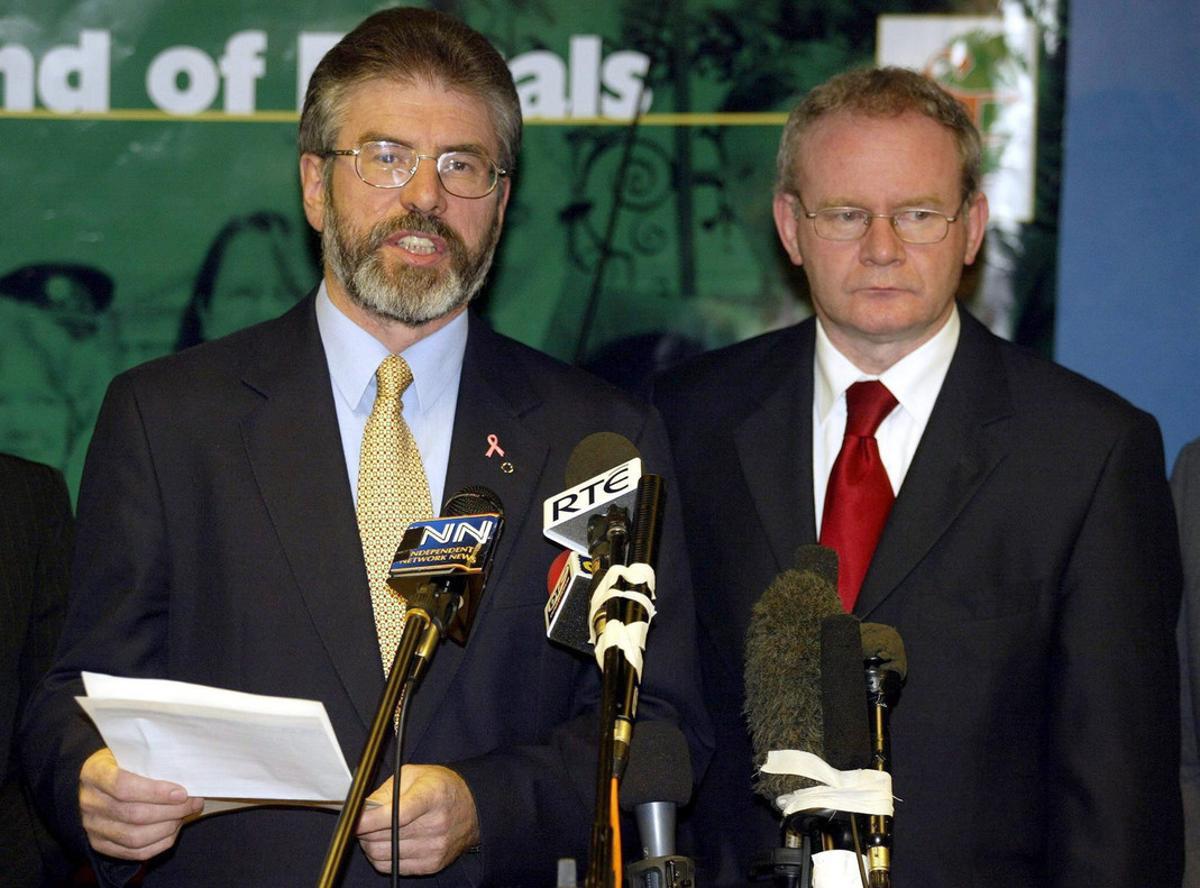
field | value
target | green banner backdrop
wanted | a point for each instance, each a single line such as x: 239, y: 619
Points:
x: 149, y: 174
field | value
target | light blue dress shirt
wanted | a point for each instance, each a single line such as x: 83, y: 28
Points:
x: 354, y: 354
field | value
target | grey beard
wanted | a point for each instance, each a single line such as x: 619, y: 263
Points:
x: 412, y: 296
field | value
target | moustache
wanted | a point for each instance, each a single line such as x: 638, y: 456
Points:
x: 382, y: 231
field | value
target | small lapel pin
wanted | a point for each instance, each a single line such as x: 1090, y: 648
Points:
x: 493, y: 446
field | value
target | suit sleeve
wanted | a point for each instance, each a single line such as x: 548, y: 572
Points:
x: 49, y: 516
x: 555, y: 783
x: 116, y: 616
x: 1185, y: 486
x: 1114, y: 693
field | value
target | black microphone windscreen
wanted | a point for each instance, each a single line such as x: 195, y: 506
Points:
x: 660, y: 766
x: 844, y: 694
x: 783, y: 671
x: 884, y: 642
x: 596, y: 454
x: 473, y: 500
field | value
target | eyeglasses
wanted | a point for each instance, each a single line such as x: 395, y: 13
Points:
x: 913, y: 226
x: 392, y: 165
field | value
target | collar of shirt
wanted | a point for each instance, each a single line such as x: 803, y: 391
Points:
x: 353, y: 356
x: 915, y: 380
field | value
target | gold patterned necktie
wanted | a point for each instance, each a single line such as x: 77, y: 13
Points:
x: 392, y: 493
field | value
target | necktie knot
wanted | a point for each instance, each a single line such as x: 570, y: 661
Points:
x: 392, y: 377
x: 867, y: 405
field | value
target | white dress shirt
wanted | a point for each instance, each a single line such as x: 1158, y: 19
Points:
x: 915, y: 380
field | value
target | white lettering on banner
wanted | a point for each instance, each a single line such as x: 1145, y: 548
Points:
x: 16, y: 67
x: 608, y: 88
x: 70, y: 78
x: 241, y: 65
x: 184, y: 80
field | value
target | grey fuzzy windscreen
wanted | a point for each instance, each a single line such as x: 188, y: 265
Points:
x: 783, y: 671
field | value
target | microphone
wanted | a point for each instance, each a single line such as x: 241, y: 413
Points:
x: 590, y: 517
x: 602, y: 475
x: 804, y: 691
x: 886, y: 669
x: 657, y: 781
x: 569, y: 584
x: 784, y: 674
x: 627, y: 614
x: 441, y: 566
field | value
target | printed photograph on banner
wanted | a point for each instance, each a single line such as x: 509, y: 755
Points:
x: 989, y: 63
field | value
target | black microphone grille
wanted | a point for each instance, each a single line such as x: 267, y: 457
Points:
x: 473, y: 500
x: 596, y: 454
x: 660, y: 766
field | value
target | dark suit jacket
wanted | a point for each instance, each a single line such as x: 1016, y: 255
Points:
x: 218, y: 544
x: 1031, y: 568
x: 35, y: 553
x: 1185, y: 485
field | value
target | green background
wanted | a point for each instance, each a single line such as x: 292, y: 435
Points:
x: 116, y: 221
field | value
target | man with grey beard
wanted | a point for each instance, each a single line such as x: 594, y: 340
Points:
x: 228, y: 514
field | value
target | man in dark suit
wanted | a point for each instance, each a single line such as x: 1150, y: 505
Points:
x: 217, y: 525
x: 1185, y: 486
x: 1028, y: 560
x: 35, y: 552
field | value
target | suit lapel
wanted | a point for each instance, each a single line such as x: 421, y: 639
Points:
x: 963, y: 442
x: 494, y: 397
x: 774, y: 447
x: 294, y: 447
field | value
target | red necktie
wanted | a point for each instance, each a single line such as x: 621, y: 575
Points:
x: 859, y: 496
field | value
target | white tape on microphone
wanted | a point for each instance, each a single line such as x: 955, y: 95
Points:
x: 862, y: 791
x: 629, y: 638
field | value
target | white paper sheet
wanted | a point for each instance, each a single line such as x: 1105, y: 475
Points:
x: 219, y: 744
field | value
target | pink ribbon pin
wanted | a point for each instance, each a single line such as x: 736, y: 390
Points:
x: 493, y: 446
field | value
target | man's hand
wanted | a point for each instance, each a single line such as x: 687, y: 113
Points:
x: 128, y: 816
x: 438, y: 821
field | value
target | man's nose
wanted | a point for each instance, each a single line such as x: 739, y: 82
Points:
x: 423, y: 193
x: 881, y: 245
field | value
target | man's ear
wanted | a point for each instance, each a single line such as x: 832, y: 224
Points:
x: 785, y: 207
x: 312, y: 189
x: 976, y: 221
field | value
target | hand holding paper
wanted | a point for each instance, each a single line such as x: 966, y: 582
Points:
x: 228, y: 747
x: 129, y: 816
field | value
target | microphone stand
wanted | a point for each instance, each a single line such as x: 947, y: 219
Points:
x: 429, y: 610
x: 803, y: 834
x: 883, y: 689
x: 608, y: 536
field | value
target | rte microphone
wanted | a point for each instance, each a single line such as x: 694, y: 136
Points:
x: 441, y: 566
x: 625, y: 621
x: 657, y: 782
x: 602, y: 475
x: 591, y: 518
